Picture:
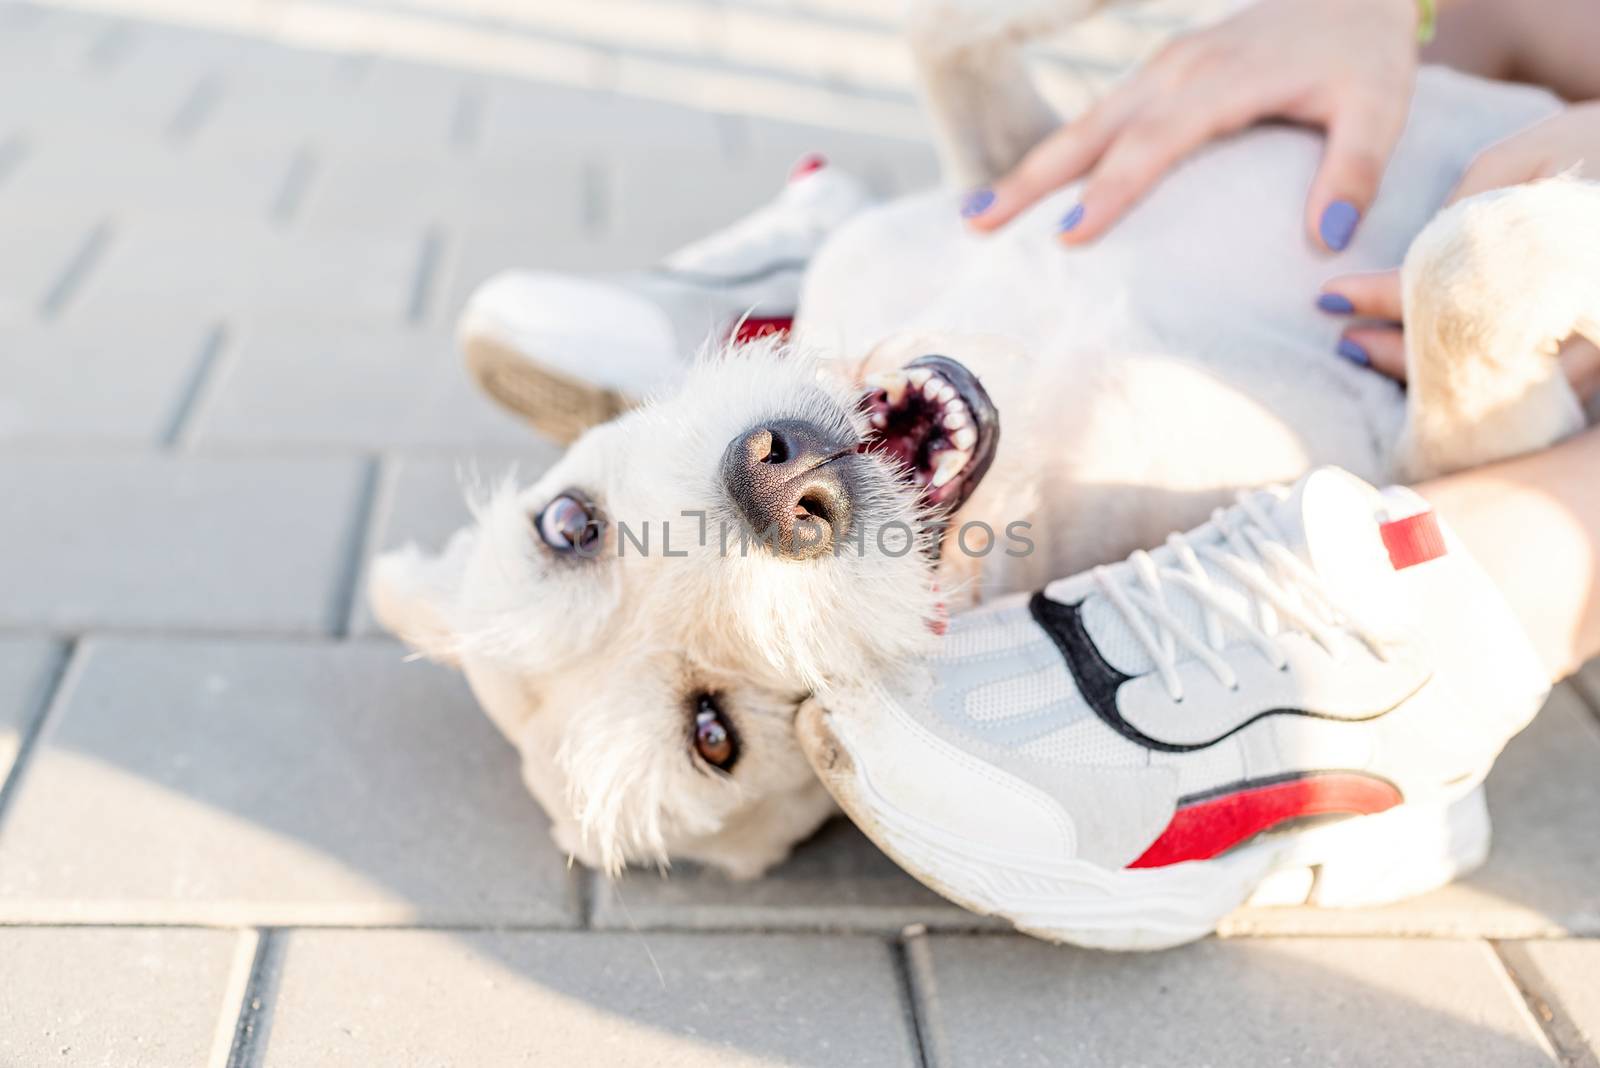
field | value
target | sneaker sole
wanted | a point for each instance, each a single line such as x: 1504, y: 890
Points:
x: 1360, y: 861
x: 559, y: 406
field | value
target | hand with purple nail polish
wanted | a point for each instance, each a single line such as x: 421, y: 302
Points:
x: 976, y: 203
x: 1375, y: 338
x: 1345, y: 68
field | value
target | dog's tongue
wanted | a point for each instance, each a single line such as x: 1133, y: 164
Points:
x: 1330, y: 521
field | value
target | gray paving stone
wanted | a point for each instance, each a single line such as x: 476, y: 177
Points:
x: 34, y: 251
x: 1543, y: 874
x: 836, y: 881
x: 333, y: 99
x: 405, y: 103
x: 435, y: 998
x: 1563, y: 981
x: 450, y: 189
x: 64, y: 60
x: 481, y: 250
x: 251, y: 269
x: 128, y: 541
x: 1588, y: 683
x: 526, y: 123
x: 285, y: 385
x: 153, y: 45
x: 133, y: 173
x: 27, y: 669
x: 110, y: 380
x: 423, y: 500
x: 97, y: 996
x: 646, y: 177
x: 274, y: 783
x: 278, y: 93
x: 1012, y: 1001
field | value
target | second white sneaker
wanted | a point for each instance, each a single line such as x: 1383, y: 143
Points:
x: 569, y: 351
x: 1296, y: 703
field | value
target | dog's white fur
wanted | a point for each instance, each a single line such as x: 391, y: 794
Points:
x: 1139, y: 381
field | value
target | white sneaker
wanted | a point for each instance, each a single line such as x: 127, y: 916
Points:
x: 1295, y: 703
x: 567, y: 351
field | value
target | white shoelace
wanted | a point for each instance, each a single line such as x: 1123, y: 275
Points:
x: 1254, y: 555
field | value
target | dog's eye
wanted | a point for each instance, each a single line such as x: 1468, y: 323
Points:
x: 569, y: 523
x: 714, y: 739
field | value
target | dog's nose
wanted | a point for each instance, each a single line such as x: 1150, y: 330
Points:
x: 791, y: 481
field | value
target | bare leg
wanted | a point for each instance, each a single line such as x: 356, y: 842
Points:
x: 1534, y: 524
x: 1544, y: 42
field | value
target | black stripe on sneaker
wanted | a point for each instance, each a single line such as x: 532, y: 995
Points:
x: 1099, y: 682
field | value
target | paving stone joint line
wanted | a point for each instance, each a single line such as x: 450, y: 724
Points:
x: 51, y: 693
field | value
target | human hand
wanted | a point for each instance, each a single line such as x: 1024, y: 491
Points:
x: 1381, y: 344
x: 1566, y: 143
x: 1347, y: 67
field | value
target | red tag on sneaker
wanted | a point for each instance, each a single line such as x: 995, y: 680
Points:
x: 809, y: 163
x: 1413, y: 540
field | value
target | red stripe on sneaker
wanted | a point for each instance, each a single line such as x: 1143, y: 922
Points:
x: 1413, y: 540
x: 1208, y: 827
x: 753, y: 328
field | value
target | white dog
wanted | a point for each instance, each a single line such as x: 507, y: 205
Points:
x: 645, y: 620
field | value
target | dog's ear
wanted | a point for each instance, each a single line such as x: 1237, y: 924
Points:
x: 414, y: 595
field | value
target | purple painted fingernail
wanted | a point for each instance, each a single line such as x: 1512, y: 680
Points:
x: 1335, y: 304
x: 1338, y: 224
x: 976, y: 202
x: 1070, y: 219
x: 1354, y: 353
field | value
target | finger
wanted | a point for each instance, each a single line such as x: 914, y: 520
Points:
x: 1361, y: 138
x: 1492, y: 169
x: 1370, y: 296
x: 1137, y: 157
x: 1380, y: 347
x: 1580, y: 361
x: 1049, y: 165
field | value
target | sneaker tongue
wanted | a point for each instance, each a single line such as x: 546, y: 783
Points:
x: 1341, y: 520
x: 1329, y: 520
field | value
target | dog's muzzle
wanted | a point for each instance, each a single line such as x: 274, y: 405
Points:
x: 792, y: 483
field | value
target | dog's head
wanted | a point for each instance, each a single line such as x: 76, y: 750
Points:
x: 644, y: 621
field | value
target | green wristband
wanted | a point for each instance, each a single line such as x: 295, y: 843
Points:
x: 1427, y: 20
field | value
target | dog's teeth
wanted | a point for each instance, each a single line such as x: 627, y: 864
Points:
x: 918, y: 375
x: 947, y: 393
x: 933, y: 388
x: 879, y: 419
x: 965, y: 438
x: 949, y: 464
x: 893, y: 384
x: 955, y: 418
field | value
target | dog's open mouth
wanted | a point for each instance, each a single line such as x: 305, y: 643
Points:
x: 936, y: 420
